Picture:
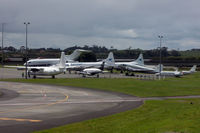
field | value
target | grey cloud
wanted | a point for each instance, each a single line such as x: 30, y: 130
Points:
x: 136, y: 22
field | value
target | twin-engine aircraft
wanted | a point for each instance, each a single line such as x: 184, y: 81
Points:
x: 49, y: 71
x: 52, y: 70
x: 192, y: 70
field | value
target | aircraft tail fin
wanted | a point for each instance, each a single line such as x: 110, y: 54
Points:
x: 75, y: 54
x: 140, y: 59
x: 62, y: 60
x: 193, y: 69
x: 110, y: 61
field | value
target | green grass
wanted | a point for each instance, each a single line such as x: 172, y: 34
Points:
x: 188, y: 85
x: 167, y: 116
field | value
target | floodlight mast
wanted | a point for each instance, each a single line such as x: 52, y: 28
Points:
x: 2, y: 46
x: 160, y: 53
x: 26, y: 23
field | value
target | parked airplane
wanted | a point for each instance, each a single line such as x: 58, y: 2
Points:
x: 48, y: 62
x: 192, y: 70
x: 46, y: 71
x: 168, y: 73
x: 135, y: 66
x: 79, y: 66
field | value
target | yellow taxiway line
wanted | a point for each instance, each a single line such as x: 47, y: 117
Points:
x: 28, y: 108
x: 20, y: 120
x: 37, y: 106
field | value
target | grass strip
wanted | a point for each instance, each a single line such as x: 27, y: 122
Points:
x: 167, y: 116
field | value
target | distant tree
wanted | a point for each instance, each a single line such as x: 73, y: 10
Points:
x: 175, y: 53
x: 87, y: 57
x: 164, y: 52
x: 10, y: 48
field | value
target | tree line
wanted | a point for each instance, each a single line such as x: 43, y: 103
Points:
x: 101, y: 52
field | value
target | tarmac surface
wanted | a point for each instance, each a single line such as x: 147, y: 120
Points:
x: 29, y: 107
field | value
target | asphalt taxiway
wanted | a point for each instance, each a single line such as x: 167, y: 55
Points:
x: 28, y: 107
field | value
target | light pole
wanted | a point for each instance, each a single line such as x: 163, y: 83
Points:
x: 26, y: 23
x: 160, y: 52
x: 2, y: 44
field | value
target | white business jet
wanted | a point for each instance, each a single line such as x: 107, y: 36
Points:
x: 192, y: 70
x: 168, y: 73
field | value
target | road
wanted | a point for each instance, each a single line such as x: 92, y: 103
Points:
x: 28, y: 107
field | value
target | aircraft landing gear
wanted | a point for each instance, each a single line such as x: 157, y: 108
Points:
x: 53, y: 76
x: 97, y: 75
x: 29, y: 74
x: 111, y: 71
x: 127, y: 74
x: 22, y: 75
x: 34, y: 76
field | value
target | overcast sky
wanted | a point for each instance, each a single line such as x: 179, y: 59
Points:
x: 117, y: 23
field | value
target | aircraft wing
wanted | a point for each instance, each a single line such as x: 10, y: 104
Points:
x: 129, y: 67
x: 80, y: 68
x: 75, y: 68
x: 35, y: 69
x: 17, y: 67
x: 137, y: 68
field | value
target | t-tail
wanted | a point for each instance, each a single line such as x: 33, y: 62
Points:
x: 62, y: 61
x: 193, y: 69
x: 140, y: 60
x: 110, y: 61
x: 75, y: 54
